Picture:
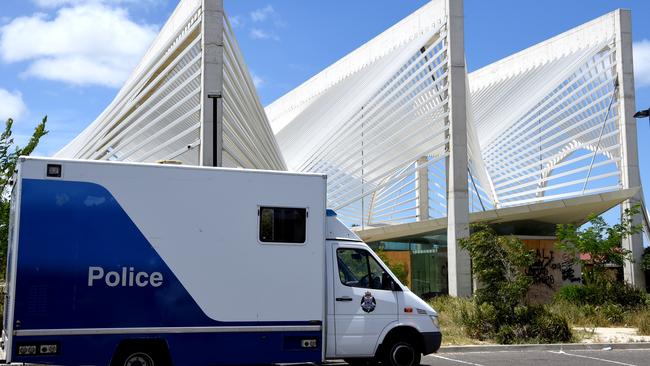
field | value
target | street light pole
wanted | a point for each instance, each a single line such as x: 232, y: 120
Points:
x: 215, y: 116
x: 643, y: 114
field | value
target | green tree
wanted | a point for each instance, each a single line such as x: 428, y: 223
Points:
x: 9, y: 153
x: 600, y: 241
x: 498, y: 263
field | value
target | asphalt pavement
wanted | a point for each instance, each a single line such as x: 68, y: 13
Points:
x: 624, y: 357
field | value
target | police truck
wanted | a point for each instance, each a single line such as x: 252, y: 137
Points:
x: 125, y: 264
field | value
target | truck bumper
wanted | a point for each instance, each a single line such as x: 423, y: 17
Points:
x: 431, y: 342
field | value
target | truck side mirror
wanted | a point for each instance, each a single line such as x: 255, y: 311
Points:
x: 394, y: 286
x: 387, y: 282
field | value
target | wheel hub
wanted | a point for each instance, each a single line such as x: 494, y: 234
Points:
x: 139, y: 359
x: 403, y: 355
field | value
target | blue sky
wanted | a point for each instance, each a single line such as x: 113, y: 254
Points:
x: 67, y: 58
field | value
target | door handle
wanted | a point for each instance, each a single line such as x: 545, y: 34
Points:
x: 344, y: 298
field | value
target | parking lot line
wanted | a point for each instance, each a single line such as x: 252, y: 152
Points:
x: 459, y: 361
x: 592, y: 358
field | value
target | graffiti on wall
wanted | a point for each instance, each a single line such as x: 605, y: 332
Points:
x: 567, y: 270
x: 545, y: 267
x: 539, y: 271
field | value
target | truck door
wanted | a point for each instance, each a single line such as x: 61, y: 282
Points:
x: 364, y: 302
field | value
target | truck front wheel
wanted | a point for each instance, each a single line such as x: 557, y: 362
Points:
x: 402, y: 353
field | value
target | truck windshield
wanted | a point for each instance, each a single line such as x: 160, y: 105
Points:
x: 357, y: 268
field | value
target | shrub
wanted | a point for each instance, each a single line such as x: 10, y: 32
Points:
x: 605, y: 293
x: 577, y: 294
x: 625, y: 295
x: 480, y: 321
x: 614, y: 313
x: 451, y: 312
x: 506, y: 335
x: 525, y: 325
x: 551, y: 328
x: 497, y: 262
x: 455, y: 308
x: 499, y: 311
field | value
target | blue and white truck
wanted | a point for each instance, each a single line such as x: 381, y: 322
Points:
x: 147, y: 264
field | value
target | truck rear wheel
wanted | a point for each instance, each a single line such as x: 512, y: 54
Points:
x: 139, y: 359
x: 141, y: 354
x: 402, y: 353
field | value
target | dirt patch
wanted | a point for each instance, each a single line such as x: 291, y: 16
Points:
x: 609, y: 335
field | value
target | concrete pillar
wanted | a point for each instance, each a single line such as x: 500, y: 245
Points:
x: 212, y: 83
x: 630, y: 175
x: 459, y: 266
x: 422, y: 193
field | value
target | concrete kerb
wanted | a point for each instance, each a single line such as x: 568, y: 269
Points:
x: 543, y: 347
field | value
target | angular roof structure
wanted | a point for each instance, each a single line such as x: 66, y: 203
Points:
x: 165, y: 111
x: 367, y: 119
x: 548, y: 117
x: 543, y: 124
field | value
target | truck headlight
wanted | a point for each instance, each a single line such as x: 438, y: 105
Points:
x: 436, y: 322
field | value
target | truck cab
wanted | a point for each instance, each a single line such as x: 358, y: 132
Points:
x: 371, y: 314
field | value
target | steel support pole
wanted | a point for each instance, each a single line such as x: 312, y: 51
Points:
x: 422, y: 192
x: 459, y: 266
x: 630, y: 175
x: 212, y: 83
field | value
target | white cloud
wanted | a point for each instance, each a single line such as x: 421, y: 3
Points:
x: 86, y: 71
x: 257, y: 80
x: 642, y: 63
x: 11, y: 105
x: 257, y: 33
x: 51, y: 4
x: 82, y: 45
x: 260, y: 15
x: 57, y: 3
x: 236, y: 21
x: 264, y: 23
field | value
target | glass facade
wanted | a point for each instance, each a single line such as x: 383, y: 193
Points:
x: 425, y: 257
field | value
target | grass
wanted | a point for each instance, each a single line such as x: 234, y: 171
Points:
x: 641, y: 320
x: 450, y: 316
x: 450, y: 310
x: 608, y: 315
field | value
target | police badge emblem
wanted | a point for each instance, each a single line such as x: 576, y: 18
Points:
x: 368, y: 302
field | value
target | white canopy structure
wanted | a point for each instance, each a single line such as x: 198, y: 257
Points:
x: 548, y: 117
x: 549, y: 123
x: 165, y: 109
x: 368, y: 118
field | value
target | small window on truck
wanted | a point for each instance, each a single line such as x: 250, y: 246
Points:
x: 283, y: 224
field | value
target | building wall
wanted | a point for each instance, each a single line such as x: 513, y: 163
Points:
x: 550, y: 271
